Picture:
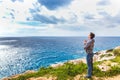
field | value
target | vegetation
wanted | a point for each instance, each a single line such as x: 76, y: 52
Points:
x: 70, y: 70
x: 110, y: 50
x: 116, y: 59
x: 116, y: 52
x: 106, y: 55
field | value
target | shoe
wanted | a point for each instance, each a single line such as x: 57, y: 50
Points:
x: 87, y: 77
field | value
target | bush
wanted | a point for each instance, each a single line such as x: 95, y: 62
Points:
x: 105, y: 55
x: 110, y: 50
x: 67, y: 71
x: 116, y: 59
x: 97, y: 72
x: 116, y: 52
x: 115, y: 70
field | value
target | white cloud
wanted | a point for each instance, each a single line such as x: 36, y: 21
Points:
x: 111, y: 9
x: 19, y: 9
x: 83, y: 15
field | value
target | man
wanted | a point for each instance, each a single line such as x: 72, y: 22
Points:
x: 88, y: 46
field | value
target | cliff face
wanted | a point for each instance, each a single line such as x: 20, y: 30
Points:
x: 107, y: 62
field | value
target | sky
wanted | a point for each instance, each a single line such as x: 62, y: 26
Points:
x: 59, y: 17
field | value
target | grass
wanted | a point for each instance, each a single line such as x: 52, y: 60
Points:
x: 116, y: 52
x: 106, y: 55
x: 110, y: 50
x: 115, y: 70
x: 116, y: 59
x: 68, y: 70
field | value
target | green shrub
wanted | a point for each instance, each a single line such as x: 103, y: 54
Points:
x: 105, y: 55
x: 116, y: 59
x: 116, y: 52
x: 115, y: 70
x: 68, y: 70
x: 110, y: 50
x: 97, y: 72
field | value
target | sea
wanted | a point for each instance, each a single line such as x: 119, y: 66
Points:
x: 19, y: 54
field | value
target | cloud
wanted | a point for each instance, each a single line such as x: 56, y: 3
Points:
x: 47, y: 19
x: 60, y: 17
x: 34, y: 10
x: 17, y: 0
x: 103, y: 2
x: 30, y: 23
x: 15, y: 10
x: 54, y: 4
x: 0, y: 1
x: 72, y: 27
x: 110, y: 21
x: 88, y: 16
x: 21, y: 28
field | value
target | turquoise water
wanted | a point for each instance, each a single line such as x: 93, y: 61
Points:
x: 18, y: 54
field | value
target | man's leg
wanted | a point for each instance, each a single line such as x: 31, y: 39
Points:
x: 89, y: 64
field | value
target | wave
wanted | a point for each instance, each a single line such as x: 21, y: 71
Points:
x: 4, y: 47
x: 7, y: 41
x: 44, y: 58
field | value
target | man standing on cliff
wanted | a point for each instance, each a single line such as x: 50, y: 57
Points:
x: 88, y: 46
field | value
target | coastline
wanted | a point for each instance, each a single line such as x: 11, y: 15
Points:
x: 75, y: 61
x: 98, y: 56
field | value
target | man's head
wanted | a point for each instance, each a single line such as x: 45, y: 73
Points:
x: 91, y: 35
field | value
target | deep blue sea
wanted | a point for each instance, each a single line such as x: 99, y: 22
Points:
x: 18, y: 54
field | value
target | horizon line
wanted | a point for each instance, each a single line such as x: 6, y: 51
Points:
x: 55, y: 36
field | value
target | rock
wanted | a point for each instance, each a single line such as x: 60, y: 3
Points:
x: 57, y: 65
x: 103, y: 67
x: 77, y: 61
x: 107, y: 58
x: 29, y: 71
x: 114, y: 64
x: 43, y: 78
x: 106, y: 65
x: 5, y: 79
x: 11, y: 77
x: 16, y: 76
x: 113, y: 78
x: 77, y: 77
x: 118, y: 47
x: 97, y: 56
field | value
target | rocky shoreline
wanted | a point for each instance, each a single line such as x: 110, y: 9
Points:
x: 98, y: 56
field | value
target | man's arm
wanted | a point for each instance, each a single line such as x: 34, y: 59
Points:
x: 88, y: 44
